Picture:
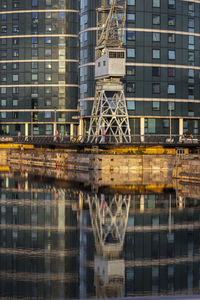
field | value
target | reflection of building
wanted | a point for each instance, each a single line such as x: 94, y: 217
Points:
x: 162, y: 64
x: 39, y: 241
x: 58, y: 242
x: 161, y: 249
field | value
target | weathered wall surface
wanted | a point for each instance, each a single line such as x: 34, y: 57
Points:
x: 187, y: 169
x: 101, y: 169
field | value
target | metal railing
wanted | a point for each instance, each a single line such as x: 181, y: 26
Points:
x: 152, y: 139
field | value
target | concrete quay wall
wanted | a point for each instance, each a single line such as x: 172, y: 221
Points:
x: 187, y: 170
x: 102, y: 169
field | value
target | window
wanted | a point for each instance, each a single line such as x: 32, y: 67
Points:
x: 171, y: 54
x: 3, y: 66
x: 171, y: 88
x: 48, y: 129
x: 166, y: 123
x: 156, y: 3
x: 171, y: 4
x: 15, y: 16
x: 48, y: 102
x: 130, y: 35
x: 191, y: 22
x: 191, y: 42
x: 34, y: 52
x: 15, y: 90
x: 150, y: 125
x: 34, y: 17
x: 47, y: 114
x: 3, y: 102
x: 156, y: 88
x: 3, y: 17
x: 48, y: 77
x: 130, y: 18
x: 48, y: 65
x: 171, y: 37
x: 15, y: 77
x: 3, y: 90
x: 48, y: 28
x: 3, y: 53
x: 130, y: 2
x: 130, y: 87
x: 156, y: 71
x: 171, y: 72
x: 47, y: 52
x: 171, y: 21
x: 48, y: 2
x: 4, y: 4
x: 34, y: 40
x: 3, y: 28
x: 34, y: 3
x: 47, y: 15
x: 34, y: 28
x: 34, y: 77
x: 15, y: 115
x: 156, y: 105
x: 156, y: 19
x: 15, y: 66
x: 15, y: 53
x: 190, y: 90
x: 48, y: 40
x: 3, y: 77
x: 3, y: 114
x: 34, y: 65
x: 3, y: 41
x: 15, y: 102
x: 15, y: 4
x: 15, y: 41
x: 48, y: 90
x: 191, y: 58
x: 15, y: 28
x: 130, y: 71
x: 130, y: 52
x: 130, y: 105
x: 156, y: 53
x: 190, y: 75
x: 156, y: 37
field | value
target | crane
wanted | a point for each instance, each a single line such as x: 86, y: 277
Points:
x: 109, y: 218
x: 109, y: 117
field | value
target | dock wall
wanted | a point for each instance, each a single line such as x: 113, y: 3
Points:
x: 101, y: 169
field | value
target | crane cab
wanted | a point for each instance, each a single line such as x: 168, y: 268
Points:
x: 111, y: 63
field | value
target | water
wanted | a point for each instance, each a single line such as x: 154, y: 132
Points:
x: 61, y: 240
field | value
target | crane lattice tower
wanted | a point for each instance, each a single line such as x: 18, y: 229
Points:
x: 109, y: 118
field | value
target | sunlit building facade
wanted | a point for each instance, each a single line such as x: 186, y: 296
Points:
x: 162, y: 64
x: 38, y: 66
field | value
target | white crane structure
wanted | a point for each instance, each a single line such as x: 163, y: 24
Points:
x: 109, y: 118
x: 109, y: 217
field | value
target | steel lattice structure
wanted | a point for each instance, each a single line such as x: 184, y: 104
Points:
x: 109, y: 118
x: 109, y: 219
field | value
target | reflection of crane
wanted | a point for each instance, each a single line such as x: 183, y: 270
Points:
x: 109, y: 114
x: 109, y: 216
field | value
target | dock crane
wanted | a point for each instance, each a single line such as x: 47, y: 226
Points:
x: 109, y: 218
x: 109, y: 117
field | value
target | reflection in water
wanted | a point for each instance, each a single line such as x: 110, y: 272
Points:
x: 70, y: 242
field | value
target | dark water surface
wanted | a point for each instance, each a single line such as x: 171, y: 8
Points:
x: 65, y: 240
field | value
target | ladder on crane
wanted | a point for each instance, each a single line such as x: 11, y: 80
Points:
x: 109, y: 118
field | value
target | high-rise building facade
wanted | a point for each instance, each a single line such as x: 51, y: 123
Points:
x: 39, y: 57
x: 162, y: 64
